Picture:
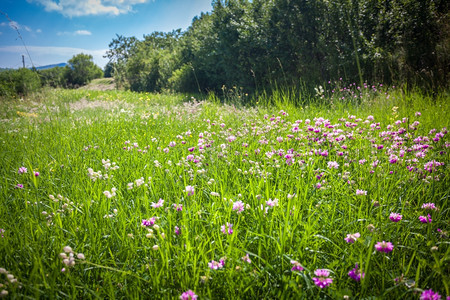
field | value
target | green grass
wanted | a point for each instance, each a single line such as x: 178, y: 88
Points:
x: 63, y: 133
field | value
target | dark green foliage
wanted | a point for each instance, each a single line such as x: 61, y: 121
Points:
x: 81, y: 70
x: 19, y: 82
x: 257, y: 44
x: 53, y: 77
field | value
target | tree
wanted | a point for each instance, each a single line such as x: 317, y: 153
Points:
x: 81, y: 70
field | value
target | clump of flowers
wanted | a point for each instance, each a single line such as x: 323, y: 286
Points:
x: 356, y: 273
x: 227, y: 229
x: 351, y: 238
x: 272, y: 203
x: 109, y: 194
x: 426, y: 219
x: 148, y: 223
x: 188, y: 295
x: 384, y: 247
x: 178, y: 207
x: 322, y: 280
x: 361, y: 192
x: 430, y: 295
x: 10, y: 280
x: 22, y: 170
x: 246, y: 258
x: 215, y: 265
x: 429, y: 206
x: 68, y: 257
x: 239, y: 206
x: 395, y: 217
x: 296, y: 266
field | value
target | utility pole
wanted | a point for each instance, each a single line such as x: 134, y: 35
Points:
x: 23, y: 61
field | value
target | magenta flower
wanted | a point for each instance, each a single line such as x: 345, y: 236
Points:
x: 395, y: 217
x: 190, y: 190
x: 351, y: 238
x: 384, y: 246
x: 429, y: 295
x: 333, y: 165
x: 430, y: 206
x: 322, y: 280
x: 19, y: 186
x: 296, y: 266
x: 226, y: 229
x: 22, y: 170
x: 214, y: 265
x: 36, y: 174
x: 356, y: 274
x: 424, y: 219
x: 361, y: 192
x: 188, y: 295
x: 177, y: 230
x: 149, y: 222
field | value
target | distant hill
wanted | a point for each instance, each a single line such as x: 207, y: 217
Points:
x: 51, y: 66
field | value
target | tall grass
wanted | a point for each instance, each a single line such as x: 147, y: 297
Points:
x: 296, y: 205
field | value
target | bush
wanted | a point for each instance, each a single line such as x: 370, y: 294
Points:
x: 19, y: 82
x: 81, y: 70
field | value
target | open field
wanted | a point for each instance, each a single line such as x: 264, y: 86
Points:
x: 110, y: 194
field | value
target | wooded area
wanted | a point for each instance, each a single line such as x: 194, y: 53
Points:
x: 259, y: 44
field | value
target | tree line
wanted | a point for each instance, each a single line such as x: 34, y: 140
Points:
x: 259, y: 44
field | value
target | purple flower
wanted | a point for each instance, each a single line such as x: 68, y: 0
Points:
x: 356, y: 274
x: 149, y: 222
x: 246, y: 258
x: 333, y: 165
x: 296, y: 266
x: 2, y: 231
x: 351, y: 238
x: 36, y: 174
x: 19, y: 186
x: 272, y: 203
x: 361, y: 192
x: 430, y: 206
x: 395, y: 217
x: 188, y: 295
x: 429, y: 295
x: 177, y: 230
x: 424, y: 219
x: 178, y: 207
x: 384, y: 246
x: 22, y: 170
x: 322, y: 280
x: 226, y: 229
x: 190, y: 190
x: 214, y: 265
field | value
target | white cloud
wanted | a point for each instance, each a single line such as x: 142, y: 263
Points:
x: 16, y: 26
x: 77, y: 8
x: 51, y: 55
x: 82, y: 32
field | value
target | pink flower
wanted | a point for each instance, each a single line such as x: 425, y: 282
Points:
x: 384, y: 246
x: 322, y: 280
x: 22, y: 170
x: 356, y: 273
x: 351, y: 238
x: 177, y: 230
x: 226, y: 229
x: 430, y: 206
x: 19, y: 186
x: 395, y: 217
x: 361, y: 192
x: 190, y: 190
x: 272, y: 203
x: 424, y: 219
x: 429, y: 295
x: 246, y: 258
x: 178, y: 207
x: 333, y: 165
x: 296, y: 266
x: 36, y: 174
x: 158, y: 204
x: 188, y: 295
x: 214, y: 265
x: 239, y: 206
x: 149, y: 222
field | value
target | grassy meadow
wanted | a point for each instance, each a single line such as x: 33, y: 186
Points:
x: 114, y: 194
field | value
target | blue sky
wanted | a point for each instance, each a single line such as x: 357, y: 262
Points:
x: 55, y: 30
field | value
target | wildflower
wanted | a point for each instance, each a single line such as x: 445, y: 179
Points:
x: 155, y: 247
x: 395, y: 217
x: 189, y: 295
x: 2, y: 231
x: 214, y: 265
x: 19, y: 186
x: 361, y: 192
x: 226, y: 229
x: 322, y: 280
x: 356, y: 273
x: 80, y: 256
x: 158, y: 204
x: 22, y: 170
x: 272, y: 203
x: 178, y: 207
x: 296, y: 266
x: 190, y: 190
x: 429, y: 295
x: 239, y: 206
x: 36, y: 174
x: 351, y: 238
x: 177, y: 230
x: 384, y: 246
x: 149, y: 222
x: 430, y: 206
x: 246, y: 258
x: 333, y: 165
x: 424, y: 219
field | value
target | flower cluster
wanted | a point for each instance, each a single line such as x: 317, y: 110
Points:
x: 68, y: 257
